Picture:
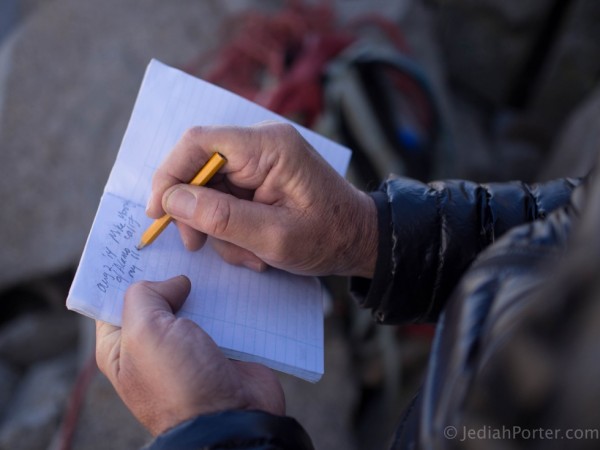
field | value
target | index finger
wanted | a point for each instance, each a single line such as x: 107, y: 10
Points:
x: 108, y: 344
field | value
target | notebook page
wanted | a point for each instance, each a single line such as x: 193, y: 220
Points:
x: 274, y: 318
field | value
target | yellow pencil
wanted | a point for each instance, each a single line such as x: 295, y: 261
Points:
x: 207, y: 171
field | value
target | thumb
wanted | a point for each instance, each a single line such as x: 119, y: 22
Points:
x: 245, y: 223
x: 148, y: 300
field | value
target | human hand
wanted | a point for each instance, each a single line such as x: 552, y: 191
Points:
x: 167, y: 369
x: 275, y: 202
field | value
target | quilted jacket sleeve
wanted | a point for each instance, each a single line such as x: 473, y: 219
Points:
x: 430, y: 233
x: 242, y: 430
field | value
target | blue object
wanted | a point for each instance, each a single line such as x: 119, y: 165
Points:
x: 409, y: 139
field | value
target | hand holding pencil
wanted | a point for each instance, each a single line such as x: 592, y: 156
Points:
x: 276, y: 202
x: 207, y: 171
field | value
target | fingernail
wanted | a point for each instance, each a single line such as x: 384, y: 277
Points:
x: 257, y: 266
x: 185, y: 240
x: 148, y: 204
x: 181, y: 203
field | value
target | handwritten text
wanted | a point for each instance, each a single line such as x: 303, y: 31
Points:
x: 120, y: 256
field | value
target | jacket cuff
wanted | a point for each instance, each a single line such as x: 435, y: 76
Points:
x: 235, y: 430
x: 368, y: 293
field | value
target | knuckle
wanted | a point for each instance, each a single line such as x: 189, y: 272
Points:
x: 101, y: 359
x: 157, y: 178
x: 161, y: 179
x: 285, y: 129
x: 273, y: 128
x: 280, y: 244
x: 230, y: 255
x: 218, y: 218
x: 192, y: 134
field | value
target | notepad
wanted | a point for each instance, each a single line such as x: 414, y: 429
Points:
x: 274, y: 318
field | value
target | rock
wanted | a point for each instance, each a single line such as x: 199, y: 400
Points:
x: 8, y: 380
x: 38, y: 404
x: 347, y: 10
x: 488, y: 42
x: 27, y: 7
x: 65, y: 98
x: 471, y: 145
x: 418, y: 25
x: 570, y: 73
x: 14, y: 11
x: 516, y: 149
x: 325, y: 409
x: 105, y: 422
x: 8, y: 16
x: 578, y: 144
x: 44, y: 293
x: 37, y: 336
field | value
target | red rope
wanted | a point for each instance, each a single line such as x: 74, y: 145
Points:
x: 74, y: 404
x: 278, y: 60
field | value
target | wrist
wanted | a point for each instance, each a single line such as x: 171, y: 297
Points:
x: 362, y: 245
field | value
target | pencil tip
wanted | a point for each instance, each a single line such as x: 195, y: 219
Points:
x: 140, y: 246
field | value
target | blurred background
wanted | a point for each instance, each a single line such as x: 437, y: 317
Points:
x: 481, y: 89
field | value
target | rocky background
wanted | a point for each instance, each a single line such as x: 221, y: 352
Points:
x: 517, y: 84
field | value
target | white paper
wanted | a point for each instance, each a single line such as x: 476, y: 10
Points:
x: 274, y: 317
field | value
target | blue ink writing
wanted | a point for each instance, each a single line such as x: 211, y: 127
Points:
x: 119, y: 254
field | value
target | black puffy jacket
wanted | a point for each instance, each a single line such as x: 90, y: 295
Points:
x: 496, y: 368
